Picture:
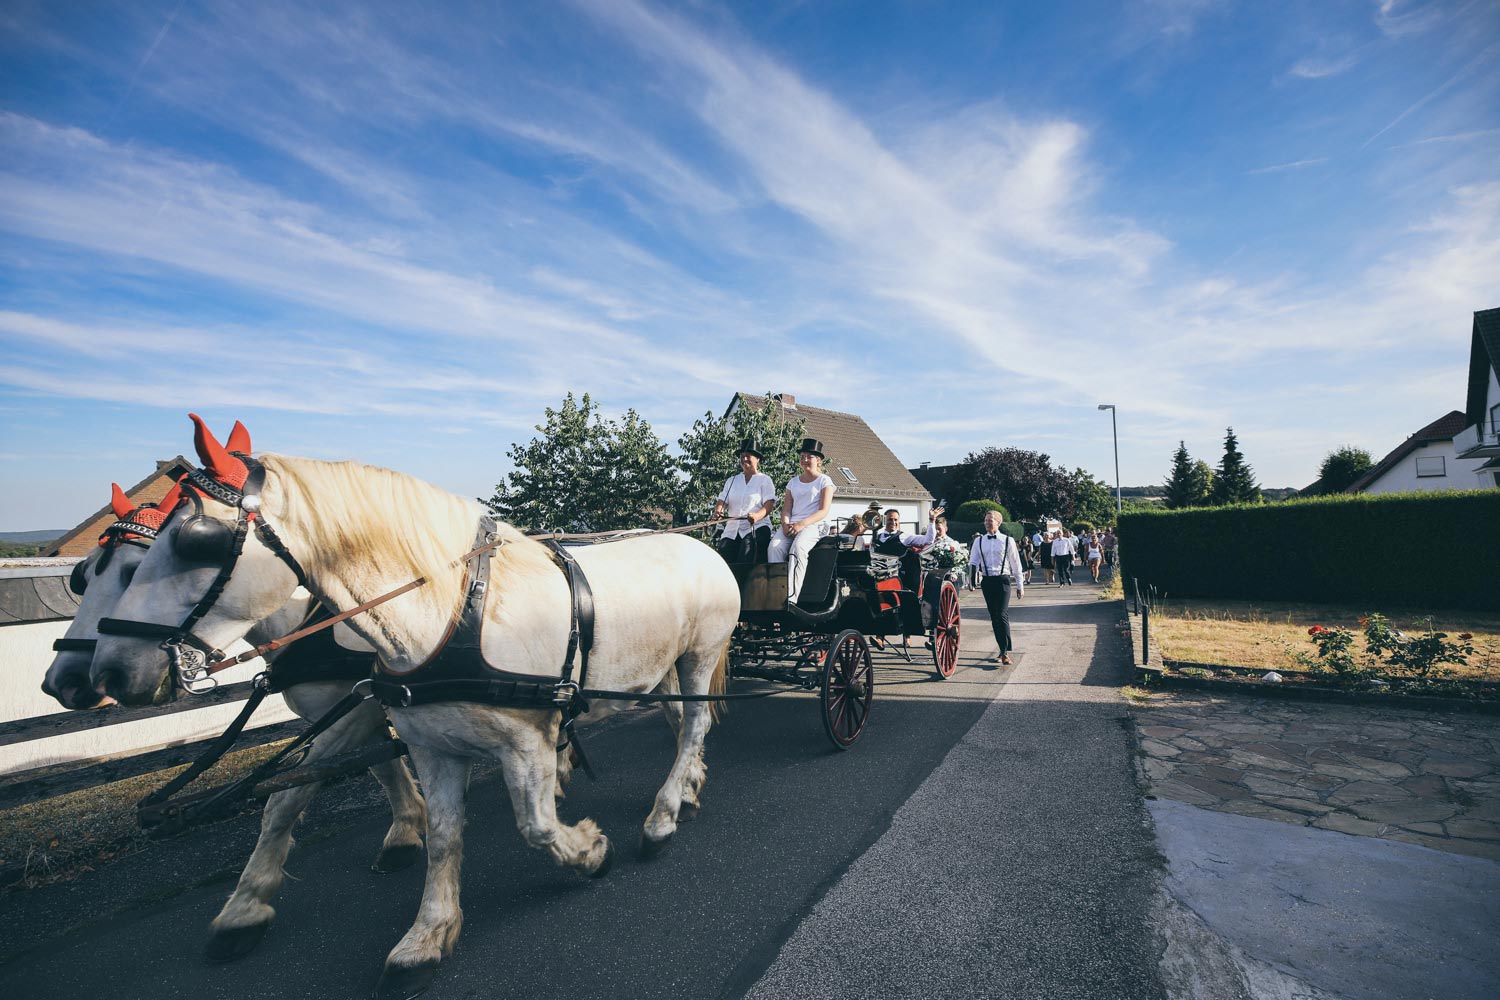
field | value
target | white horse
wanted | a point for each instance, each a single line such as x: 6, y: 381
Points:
x: 244, y: 919
x: 665, y: 607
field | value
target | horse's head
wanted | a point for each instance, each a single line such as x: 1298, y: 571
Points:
x: 207, y: 582
x: 99, y: 580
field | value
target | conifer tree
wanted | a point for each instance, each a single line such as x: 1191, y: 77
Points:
x: 1180, y: 489
x: 1234, y: 480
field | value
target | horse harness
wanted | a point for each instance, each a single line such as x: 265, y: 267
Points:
x: 458, y: 670
x: 205, y: 539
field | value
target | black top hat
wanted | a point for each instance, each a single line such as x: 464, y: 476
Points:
x: 750, y: 445
x: 812, y: 446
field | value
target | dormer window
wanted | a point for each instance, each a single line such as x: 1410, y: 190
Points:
x: 848, y: 474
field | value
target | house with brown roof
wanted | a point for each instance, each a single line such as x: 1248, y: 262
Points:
x: 1480, y: 437
x: 862, y: 468
x: 1427, y: 460
x: 82, y: 539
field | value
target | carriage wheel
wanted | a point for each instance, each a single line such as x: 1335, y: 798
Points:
x: 945, y: 631
x: 848, y: 686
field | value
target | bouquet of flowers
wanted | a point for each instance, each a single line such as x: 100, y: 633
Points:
x: 950, y: 558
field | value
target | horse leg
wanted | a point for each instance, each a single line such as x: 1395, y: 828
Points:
x: 403, y: 841
x: 696, y: 670
x: 529, y: 767
x: 245, y: 917
x: 412, y: 964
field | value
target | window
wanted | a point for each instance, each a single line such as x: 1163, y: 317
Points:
x: 848, y: 474
x: 1431, y: 466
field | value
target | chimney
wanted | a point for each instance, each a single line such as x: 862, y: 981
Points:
x: 925, y: 465
x: 786, y: 399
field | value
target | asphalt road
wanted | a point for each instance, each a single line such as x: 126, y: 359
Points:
x: 983, y: 838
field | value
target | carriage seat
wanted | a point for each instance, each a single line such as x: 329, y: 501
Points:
x: 822, y: 566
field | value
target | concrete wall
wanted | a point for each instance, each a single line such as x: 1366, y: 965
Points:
x: 25, y: 654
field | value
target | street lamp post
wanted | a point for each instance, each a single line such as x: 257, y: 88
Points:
x: 1114, y: 433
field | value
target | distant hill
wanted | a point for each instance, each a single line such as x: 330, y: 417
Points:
x: 33, y: 537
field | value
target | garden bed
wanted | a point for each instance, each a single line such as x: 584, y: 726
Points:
x: 1446, y: 695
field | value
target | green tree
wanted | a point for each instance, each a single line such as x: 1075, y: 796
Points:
x: 1202, y: 483
x: 709, y: 450
x: 1093, y: 500
x: 1234, y: 480
x: 587, y: 474
x: 973, y: 511
x: 1026, y: 482
x: 1181, y: 489
x: 1341, y: 468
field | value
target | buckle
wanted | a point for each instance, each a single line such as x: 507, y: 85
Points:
x: 564, y: 693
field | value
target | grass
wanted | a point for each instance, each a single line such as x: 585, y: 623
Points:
x: 1259, y: 634
x: 61, y: 837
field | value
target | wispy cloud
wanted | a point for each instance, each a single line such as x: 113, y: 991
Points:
x: 1320, y: 67
x: 1293, y: 165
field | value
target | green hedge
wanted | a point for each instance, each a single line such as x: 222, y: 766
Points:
x: 1436, y: 550
x: 964, y: 531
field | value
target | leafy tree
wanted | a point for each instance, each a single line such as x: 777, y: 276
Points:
x: 1093, y: 500
x: 710, y: 449
x: 1234, y: 480
x: 1026, y: 482
x: 587, y: 474
x: 1203, y: 483
x: 1341, y: 468
x: 973, y: 511
x: 1183, y: 488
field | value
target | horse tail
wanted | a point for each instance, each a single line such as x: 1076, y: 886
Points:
x: 719, y: 684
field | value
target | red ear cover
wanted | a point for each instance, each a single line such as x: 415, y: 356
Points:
x: 239, y: 439
x: 153, y: 517
x: 215, y: 457
x: 120, y: 503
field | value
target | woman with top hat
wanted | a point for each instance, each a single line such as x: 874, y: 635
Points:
x: 806, y: 502
x: 747, y: 499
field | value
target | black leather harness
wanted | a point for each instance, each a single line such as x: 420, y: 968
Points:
x: 458, y: 671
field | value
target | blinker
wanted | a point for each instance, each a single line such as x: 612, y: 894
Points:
x: 204, y: 539
x: 78, y: 580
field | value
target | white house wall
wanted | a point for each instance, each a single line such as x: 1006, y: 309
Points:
x: 1460, y: 474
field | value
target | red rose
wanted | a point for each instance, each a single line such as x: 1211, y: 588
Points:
x: 1315, y: 630
x: 1466, y: 636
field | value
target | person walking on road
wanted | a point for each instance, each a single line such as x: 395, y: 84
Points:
x: 998, y: 559
x: 1095, y: 554
x: 1062, y: 560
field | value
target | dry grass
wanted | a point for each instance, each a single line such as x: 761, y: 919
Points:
x: 1259, y: 633
x: 60, y: 837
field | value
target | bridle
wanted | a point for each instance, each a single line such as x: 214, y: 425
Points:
x: 202, y: 538
x: 126, y: 531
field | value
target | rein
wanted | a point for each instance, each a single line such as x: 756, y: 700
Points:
x: 225, y: 662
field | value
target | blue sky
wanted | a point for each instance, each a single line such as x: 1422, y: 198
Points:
x: 395, y: 232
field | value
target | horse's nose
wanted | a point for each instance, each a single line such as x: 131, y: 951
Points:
x: 110, y: 682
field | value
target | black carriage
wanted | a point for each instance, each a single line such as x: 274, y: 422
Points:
x: 822, y: 641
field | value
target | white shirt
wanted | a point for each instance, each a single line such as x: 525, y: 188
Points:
x: 944, y: 542
x: 806, y: 497
x: 908, y: 537
x: 741, y: 497
x: 1060, y: 546
x: 997, y: 556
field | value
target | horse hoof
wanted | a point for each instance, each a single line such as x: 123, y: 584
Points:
x: 235, y: 942
x: 395, y: 859
x: 653, y: 848
x: 404, y: 982
x: 607, y: 863
x: 688, y: 812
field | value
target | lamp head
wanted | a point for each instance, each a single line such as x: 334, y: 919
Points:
x: 1106, y: 406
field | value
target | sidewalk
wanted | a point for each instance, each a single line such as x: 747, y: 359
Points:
x: 1339, y: 851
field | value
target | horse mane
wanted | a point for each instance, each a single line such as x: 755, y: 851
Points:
x: 404, y: 526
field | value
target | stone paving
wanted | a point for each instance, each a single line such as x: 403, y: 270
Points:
x: 1420, y: 777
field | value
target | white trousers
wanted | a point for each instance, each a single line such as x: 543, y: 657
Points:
x: 794, y: 551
